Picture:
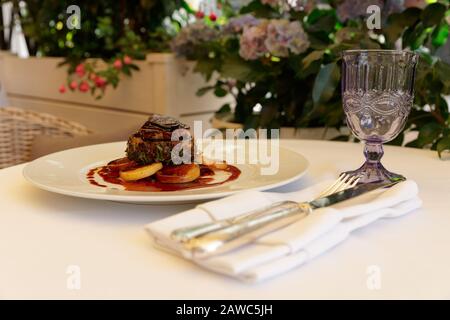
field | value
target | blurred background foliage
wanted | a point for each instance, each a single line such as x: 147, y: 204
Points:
x: 275, y: 86
x: 107, y: 27
x: 278, y: 59
x: 109, y: 30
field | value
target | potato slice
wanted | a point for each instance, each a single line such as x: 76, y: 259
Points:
x: 208, y: 162
x: 178, y: 174
x: 220, y: 165
x: 141, y: 172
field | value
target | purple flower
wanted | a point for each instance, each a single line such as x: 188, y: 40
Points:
x: 350, y: 9
x: 277, y: 37
x: 273, y: 3
x: 287, y: 5
x: 252, y: 41
x: 237, y: 24
x: 191, y: 35
x: 415, y: 3
x: 284, y: 36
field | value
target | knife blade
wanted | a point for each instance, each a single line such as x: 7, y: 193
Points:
x: 187, y: 233
x: 269, y: 219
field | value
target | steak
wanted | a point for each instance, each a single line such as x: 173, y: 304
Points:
x: 153, y: 142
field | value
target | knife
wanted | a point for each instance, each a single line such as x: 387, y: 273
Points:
x: 260, y: 222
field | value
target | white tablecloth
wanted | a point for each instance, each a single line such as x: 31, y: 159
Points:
x: 43, y: 234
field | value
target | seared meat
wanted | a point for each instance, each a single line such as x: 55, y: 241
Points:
x: 152, y: 143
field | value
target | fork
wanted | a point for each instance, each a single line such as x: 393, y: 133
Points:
x: 185, y: 234
x: 344, y: 181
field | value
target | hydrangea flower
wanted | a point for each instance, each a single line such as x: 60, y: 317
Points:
x: 286, y: 5
x: 252, y: 41
x: 284, y: 36
x: 237, y: 24
x: 191, y: 35
x: 350, y: 9
x: 278, y: 37
x: 273, y: 3
x: 415, y: 3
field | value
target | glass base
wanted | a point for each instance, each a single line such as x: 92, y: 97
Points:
x: 374, y: 173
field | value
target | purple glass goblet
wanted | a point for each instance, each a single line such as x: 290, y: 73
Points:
x: 377, y: 95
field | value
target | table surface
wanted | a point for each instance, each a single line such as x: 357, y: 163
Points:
x: 43, y: 234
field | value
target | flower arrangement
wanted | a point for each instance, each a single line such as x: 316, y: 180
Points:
x: 111, y: 37
x: 280, y: 61
x: 87, y: 77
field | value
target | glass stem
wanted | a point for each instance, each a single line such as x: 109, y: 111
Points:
x: 373, y: 153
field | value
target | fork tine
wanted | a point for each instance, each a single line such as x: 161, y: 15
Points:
x: 352, y: 180
x: 355, y: 181
x: 333, y: 186
x: 343, y: 182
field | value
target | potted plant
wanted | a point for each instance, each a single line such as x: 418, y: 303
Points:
x: 281, y: 62
x: 113, y: 55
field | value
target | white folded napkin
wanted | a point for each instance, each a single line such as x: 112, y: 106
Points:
x: 292, y: 246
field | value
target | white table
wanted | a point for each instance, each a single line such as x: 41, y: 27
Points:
x: 42, y: 234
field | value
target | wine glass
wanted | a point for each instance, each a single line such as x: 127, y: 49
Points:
x: 377, y: 95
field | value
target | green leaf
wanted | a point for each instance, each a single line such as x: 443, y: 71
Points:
x: 416, y: 37
x: 238, y: 69
x: 313, y: 56
x: 133, y: 66
x: 321, y: 21
x: 443, y: 145
x: 225, y: 109
x: 252, y: 122
x: 258, y: 9
x: 443, y: 72
x: 312, y: 69
x: 268, y: 114
x: 126, y: 71
x: 326, y: 82
x: 348, y: 34
x: 398, y: 141
x: 317, y: 42
x: 206, y: 67
x: 397, y: 23
x: 428, y: 134
x: 220, y: 92
x: 442, y: 106
x: 433, y: 14
x: 202, y: 91
x: 317, y: 15
x: 440, y: 35
x: 425, y: 55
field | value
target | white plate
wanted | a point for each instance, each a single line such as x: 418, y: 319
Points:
x: 65, y: 173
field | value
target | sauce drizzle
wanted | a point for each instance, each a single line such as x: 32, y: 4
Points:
x: 110, y: 174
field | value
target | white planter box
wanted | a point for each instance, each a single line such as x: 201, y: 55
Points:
x: 288, y: 132
x: 163, y: 85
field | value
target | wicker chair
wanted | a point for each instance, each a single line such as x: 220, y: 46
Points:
x: 19, y: 127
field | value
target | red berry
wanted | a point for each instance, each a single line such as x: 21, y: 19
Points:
x: 117, y: 64
x: 73, y: 85
x: 79, y: 70
x: 212, y: 16
x: 100, y: 82
x: 62, y: 89
x: 200, y: 14
x: 127, y: 60
x: 84, y: 86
